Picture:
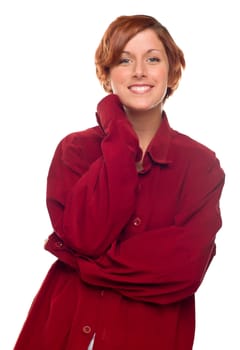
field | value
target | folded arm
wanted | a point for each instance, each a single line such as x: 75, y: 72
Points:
x: 167, y: 264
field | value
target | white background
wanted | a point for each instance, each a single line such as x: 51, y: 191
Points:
x: 48, y: 88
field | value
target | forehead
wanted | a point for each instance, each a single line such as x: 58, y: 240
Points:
x: 144, y: 41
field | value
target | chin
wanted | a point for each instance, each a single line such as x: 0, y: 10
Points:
x: 138, y: 107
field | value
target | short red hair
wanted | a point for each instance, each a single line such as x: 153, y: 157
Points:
x: 120, y: 31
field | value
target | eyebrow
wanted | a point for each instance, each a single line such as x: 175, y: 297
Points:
x: 148, y: 51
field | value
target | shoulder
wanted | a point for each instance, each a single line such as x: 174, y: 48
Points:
x: 79, y: 149
x: 82, y: 138
x: 193, y: 156
x: 190, y: 149
x: 196, y: 160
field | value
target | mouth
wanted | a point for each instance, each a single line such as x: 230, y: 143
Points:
x: 140, y: 89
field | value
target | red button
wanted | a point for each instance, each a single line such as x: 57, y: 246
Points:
x: 86, y: 329
x: 58, y: 244
x: 137, y: 222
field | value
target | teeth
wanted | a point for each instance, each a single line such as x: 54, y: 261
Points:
x: 139, y: 88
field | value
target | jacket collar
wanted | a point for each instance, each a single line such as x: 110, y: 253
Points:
x: 158, y: 149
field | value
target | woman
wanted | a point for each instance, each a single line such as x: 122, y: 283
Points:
x: 134, y: 206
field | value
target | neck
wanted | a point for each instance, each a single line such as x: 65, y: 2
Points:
x: 145, y: 125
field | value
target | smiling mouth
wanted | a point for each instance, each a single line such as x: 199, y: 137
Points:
x: 140, y: 89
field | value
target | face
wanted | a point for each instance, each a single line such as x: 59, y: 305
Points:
x: 140, y: 78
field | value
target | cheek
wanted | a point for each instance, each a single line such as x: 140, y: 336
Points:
x: 165, y: 82
x: 118, y: 76
x: 116, y: 83
x: 113, y: 86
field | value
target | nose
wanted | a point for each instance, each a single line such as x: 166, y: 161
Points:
x: 139, y: 69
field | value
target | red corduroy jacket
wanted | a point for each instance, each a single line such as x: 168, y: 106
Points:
x: 132, y: 247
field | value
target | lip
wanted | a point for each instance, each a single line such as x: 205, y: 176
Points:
x: 140, y: 88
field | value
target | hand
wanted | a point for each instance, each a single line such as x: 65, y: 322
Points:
x: 113, y: 120
x: 109, y: 110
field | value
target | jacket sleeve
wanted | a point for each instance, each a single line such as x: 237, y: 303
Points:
x: 168, y: 264
x: 88, y: 210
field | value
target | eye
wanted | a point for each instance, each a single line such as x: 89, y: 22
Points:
x: 153, y: 59
x: 124, y: 60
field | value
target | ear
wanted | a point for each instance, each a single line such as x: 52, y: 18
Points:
x: 109, y: 82
x: 108, y: 85
x: 168, y: 93
x: 170, y: 82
